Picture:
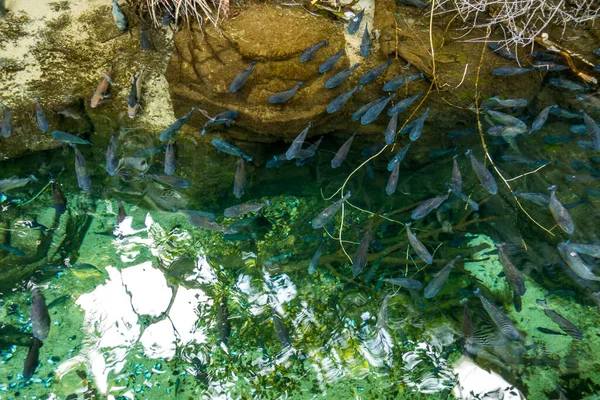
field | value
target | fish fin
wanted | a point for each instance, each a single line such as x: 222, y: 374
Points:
x: 106, y: 95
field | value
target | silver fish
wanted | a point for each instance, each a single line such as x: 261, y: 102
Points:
x: 502, y: 321
x: 399, y: 81
x: 281, y: 330
x: 40, y: 319
x: 397, y: 159
x: 239, y: 183
x: 417, y: 246
x: 112, y: 161
x: 314, y: 262
x: 360, y: 258
x: 224, y: 118
x: 417, y: 129
x: 588, y: 249
x: 204, y: 223
x: 456, y: 181
x: 575, y: 262
x: 240, y: 209
x: 327, y: 214
x: 139, y: 164
x: 506, y: 119
x: 341, y: 154
x: 538, y: 198
x: 405, y: 282
x: 40, y: 116
x: 567, y: 326
x: 170, y: 159
x: 428, y: 206
x: 485, y: 177
x: 14, y: 183
x: 392, y: 183
x: 439, y: 280
x: 511, y: 273
x: 228, y: 148
x: 470, y: 202
x: 170, y: 180
x: 69, y: 138
x: 560, y: 213
x: 540, y: 120
x: 296, y: 145
x: 305, y: 155
x: 81, y: 171
x: 390, y: 131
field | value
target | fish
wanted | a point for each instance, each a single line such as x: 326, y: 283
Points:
x: 356, y: 115
x: 456, y: 182
x: 15, y: 183
x: 174, y: 128
x: 100, y: 92
x: 423, y: 209
x: 226, y: 117
x: 373, y: 112
x: 223, y: 324
x: 166, y: 18
x: 560, y: 213
x: 373, y: 74
x: 540, y: 120
x: 593, y: 192
x: 170, y: 180
x: 314, y: 262
x: 392, y: 183
x: 415, y: 3
x: 439, y: 280
x: 59, y: 201
x: 470, y: 202
x: 337, y: 79
x: 496, y: 102
x: 239, y: 183
x: 403, y: 104
x: 360, y: 257
x: 69, y: 138
x: 485, y: 177
x: 32, y: 360
x: 228, y: 148
x: 461, y: 133
x: 200, y: 214
x: 417, y: 246
x: 40, y: 318
x: 399, y: 81
x: 397, y: 159
x: 538, y: 198
x: 307, y: 154
x: 502, y: 51
x: 112, y: 160
x: 549, y: 331
x: 511, y: 71
x: 575, y: 262
x: 241, y: 209
x: 592, y: 128
x: 341, y: 154
x: 239, y: 81
x: 330, y: 62
x: 580, y: 178
x: 390, y: 132
x: 238, y: 237
x: 567, y: 326
x: 121, y: 214
x: 12, y: 250
x: 365, y: 44
x: 518, y: 159
x: 296, y: 145
x: 502, y: 321
x: 282, y: 97
x: 511, y: 273
x: 144, y: 37
x: 588, y: 249
x: 204, y: 223
x: 549, y: 66
x: 40, y: 116
x: 69, y: 112
x: 276, y: 161
x: 558, y: 139
x: 417, y: 128
x: 310, y: 52
x: 135, y: 94
x: 404, y: 282
x: 170, y: 159
x: 441, y: 152
x: 355, y: 22
x: 563, y: 83
x: 505, y: 119
x: 118, y: 16
x: 562, y: 113
x: 328, y: 213
x: 281, y: 331
x: 81, y: 171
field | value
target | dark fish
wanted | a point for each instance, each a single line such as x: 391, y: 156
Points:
x: 485, y: 177
x: 428, y: 206
x: 558, y: 139
x: 548, y: 331
x: 81, y: 171
x: 360, y: 258
x: 296, y: 145
x: 144, y: 37
x: 239, y: 183
x: 373, y: 74
x: 417, y: 128
x: 549, y: 66
x: 456, y: 181
x: 240, y: 209
x: 170, y: 180
x: 540, y: 120
x: 314, y: 262
x: 371, y: 272
x: 502, y: 51
x: 135, y: 94
x: 166, y: 18
x: 392, y: 183
x: 567, y: 326
x: 405, y: 282
x: 228, y: 148
x: 588, y: 249
x: 356, y: 115
x: 226, y: 118
x: 223, y: 324
x: 575, y: 262
x: 518, y: 159
x: 121, y: 214
x: 560, y: 213
x: 397, y: 159
x: 365, y: 44
x: 58, y: 199
x: 461, y: 133
x: 40, y: 116
x: 373, y: 112
x: 562, y: 113
x: 414, y: 3
x: 355, y: 22
x: 511, y: 273
x: 337, y: 79
x: 310, y: 52
x: 538, y: 198
x: 563, y: 83
x: 439, y: 280
x: 402, y: 105
x: 441, y: 152
x: 327, y: 214
x: 417, y: 246
x: 282, y: 97
x: 101, y: 91
x: 66, y: 137
x: 399, y: 81
x: 341, y: 154
x: 390, y: 131
x: 40, y: 319
x: 281, y: 331
x: 32, y: 360
x: 12, y: 250
x: 511, y: 71
x: 237, y: 237
x: 112, y: 160
x: 118, y: 16
x: 170, y: 159
x: 506, y: 326
x: 331, y: 61
x: 496, y: 102
x: 174, y: 128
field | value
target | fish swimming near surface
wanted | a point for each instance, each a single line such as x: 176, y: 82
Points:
x: 399, y: 81
x: 40, y: 116
x: 81, y: 171
x: 59, y: 200
x: 239, y: 183
x: 170, y: 159
x: 7, y: 121
x: 373, y: 74
x: 296, y: 145
x: 405, y: 282
x: 417, y: 246
x: 417, y: 128
x: 32, y: 360
x: 118, y: 16
x: 560, y: 213
x: 355, y: 22
x: 563, y: 83
x: 40, y: 318
x: 173, y: 181
x: 135, y: 94
x: 423, y: 209
x: 240, y: 80
x: 456, y: 182
x: 570, y: 256
x: 365, y: 44
x: 174, y: 128
x: 567, y: 326
x: 439, y: 280
x: 360, y: 257
x: 282, y: 97
x: 245, y: 208
x: 337, y: 79
x: 511, y: 273
x: 392, y: 183
x: 328, y: 213
x: 311, y: 51
x: 484, y: 176
x: 112, y: 160
x: 373, y: 112
x: 226, y: 117
x: 356, y: 115
x: 540, y: 120
x: 390, y: 132
x: 101, y: 91
x: 511, y: 71
x: 228, y: 148
x: 502, y: 321
x: 397, y: 159
x: 331, y: 61
x: 69, y: 138
x: 341, y: 154
x: 402, y: 105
